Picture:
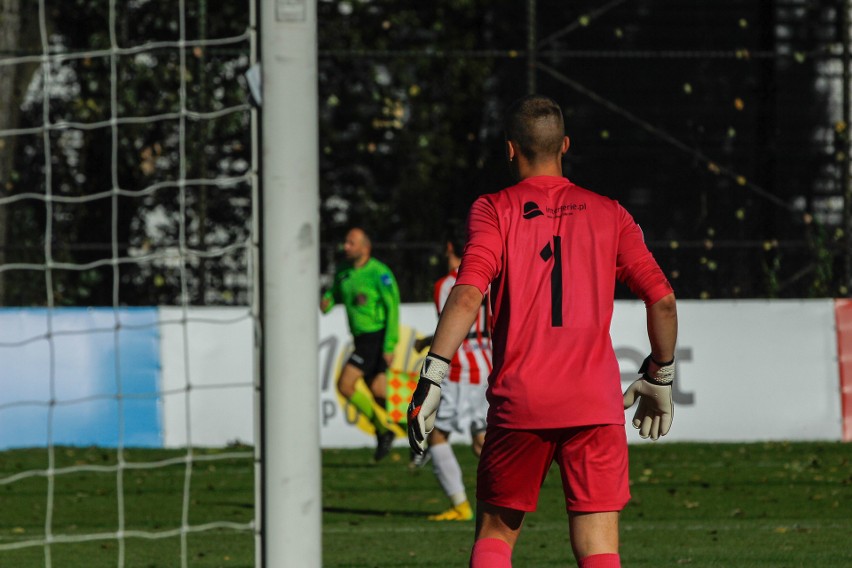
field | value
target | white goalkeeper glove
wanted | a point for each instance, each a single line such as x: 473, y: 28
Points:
x: 655, y: 411
x: 424, y: 402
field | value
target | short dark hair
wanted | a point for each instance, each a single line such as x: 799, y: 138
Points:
x: 536, y: 125
x: 456, y: 235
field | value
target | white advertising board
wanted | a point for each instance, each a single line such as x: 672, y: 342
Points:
x: 338, y: 427
x: 746, y: 371
x: 207, y: 375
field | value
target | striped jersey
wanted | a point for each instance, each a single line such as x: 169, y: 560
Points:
x: 472, y: 362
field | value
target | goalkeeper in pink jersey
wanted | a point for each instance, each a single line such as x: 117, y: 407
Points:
x: 551, y: 252
x: 463, y: 405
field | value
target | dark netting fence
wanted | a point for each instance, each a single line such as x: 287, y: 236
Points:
x: 721, y: 125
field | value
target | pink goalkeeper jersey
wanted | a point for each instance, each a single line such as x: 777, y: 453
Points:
x: 552, y: 252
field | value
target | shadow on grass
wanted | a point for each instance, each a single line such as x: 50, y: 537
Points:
x: 375, y: 512
x: 231, y: 504
x: 351, y: 465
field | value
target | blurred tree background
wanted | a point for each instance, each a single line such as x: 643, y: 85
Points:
x: 103, y: 206
x: 721, y: 125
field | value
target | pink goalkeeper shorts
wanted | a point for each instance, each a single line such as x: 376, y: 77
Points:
x: 592, y: 459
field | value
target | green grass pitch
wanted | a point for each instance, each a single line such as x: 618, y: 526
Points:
x: 779, y: 505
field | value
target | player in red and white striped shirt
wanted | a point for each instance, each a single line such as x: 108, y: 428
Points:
x: 463, y: 405
x: 551, y: 251
x: 472, y: 362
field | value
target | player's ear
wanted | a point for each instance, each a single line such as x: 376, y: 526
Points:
x: 510, y: 150
x: 566, y: 142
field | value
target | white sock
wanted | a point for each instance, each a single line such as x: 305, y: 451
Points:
x: 449, y: 473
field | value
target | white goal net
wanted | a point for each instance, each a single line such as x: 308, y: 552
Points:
x: 129, y: 247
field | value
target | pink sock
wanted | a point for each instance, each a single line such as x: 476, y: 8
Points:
x: 491, y: 553
x: 601, y: 561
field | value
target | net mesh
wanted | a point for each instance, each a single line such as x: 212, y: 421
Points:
x: 122, y: 183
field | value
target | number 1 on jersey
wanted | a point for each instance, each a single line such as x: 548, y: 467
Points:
x: 555, y: 279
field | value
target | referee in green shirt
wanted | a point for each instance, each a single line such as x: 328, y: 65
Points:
x: 368, y: 291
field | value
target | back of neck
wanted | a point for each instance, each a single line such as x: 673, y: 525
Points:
x: 527, y: 169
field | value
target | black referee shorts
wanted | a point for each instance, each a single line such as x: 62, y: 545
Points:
x: 369, y: 354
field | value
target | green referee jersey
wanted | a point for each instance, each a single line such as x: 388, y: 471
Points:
x: 371, y: 297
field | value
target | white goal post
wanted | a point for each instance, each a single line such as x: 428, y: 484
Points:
x: 291, y: 521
